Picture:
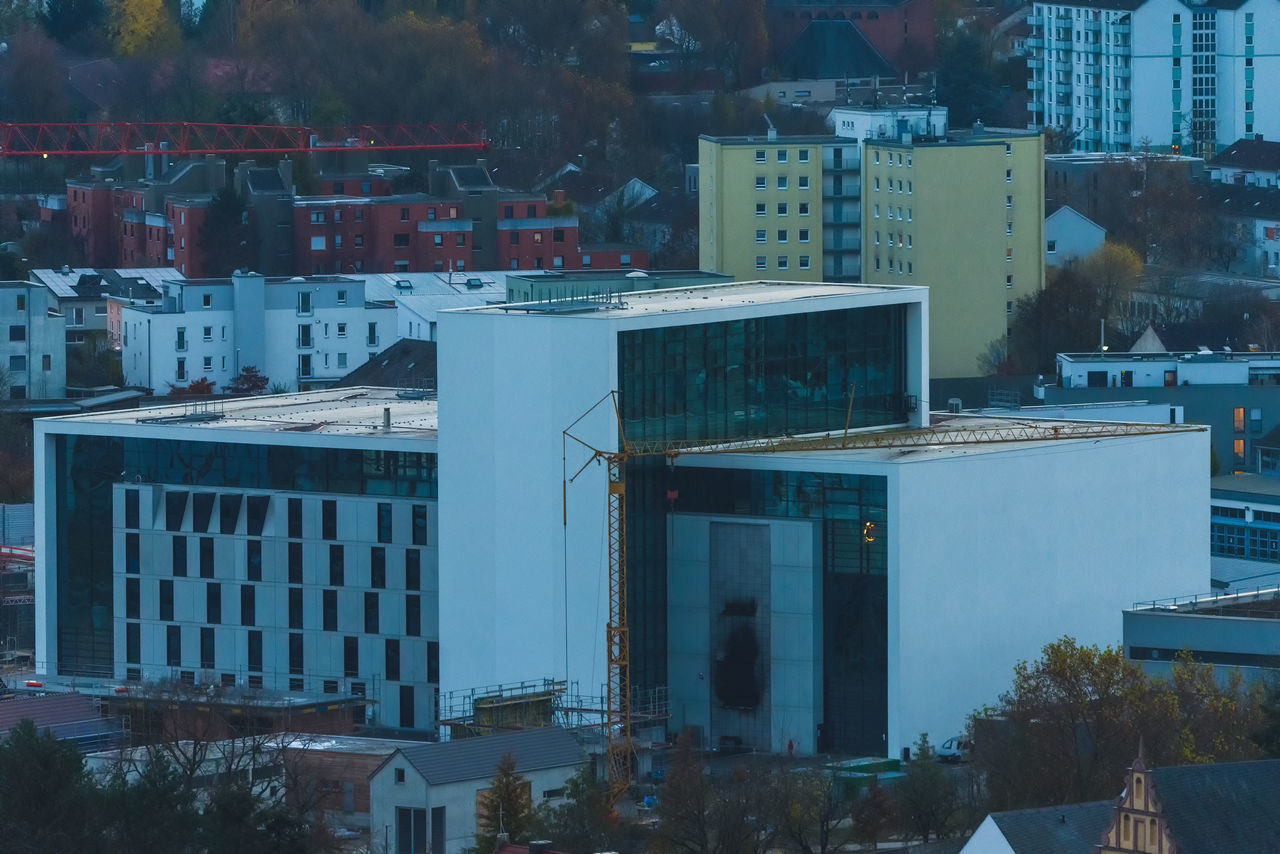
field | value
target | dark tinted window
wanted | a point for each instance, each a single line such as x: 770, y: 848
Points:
x: 412, y: 570
x: 433, y: 662
x: 257, y: 514
x: 213, y: 602
x: 132, y: 596
x: 133, y: 643
x: 295, y: 518
x: 229, y: 512
x: 175, y: 508
x: 371, y: 613
x: 330, y: 610
x: 206, y: 648
x: 295, y: 607
x: 132, y: 553
x: 254, y: 559
x: 173, y: 646
x: 166, y: 599
x: 393, y: 659
x: 248, y: 605
x: 180, y: 556
x: 202, y: 511
x: 206, y: 557
x: 329, y: 519
x: 377, y: 567
x: 384, y: 523
x: 350, y: 656
x: 419, y: 524
x: 255, y: 653
x: 337, y: 565
x: 131, y: 504
x: 295, y: 654
x: 413, y: 615
x: 295, y: 563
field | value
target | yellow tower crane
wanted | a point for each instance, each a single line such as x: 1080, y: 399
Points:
x: 952, y: 430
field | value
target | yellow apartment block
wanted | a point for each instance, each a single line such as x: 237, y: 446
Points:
x: 965, y: 218
x: 760, y: 206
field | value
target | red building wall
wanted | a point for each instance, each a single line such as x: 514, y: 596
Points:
x: 89, y: 209
x: 372, y: 237
x: 185, y: 219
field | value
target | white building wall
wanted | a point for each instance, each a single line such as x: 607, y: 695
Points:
x: 998, y: 554
x: 1070, y: 236
x: 987, y: 839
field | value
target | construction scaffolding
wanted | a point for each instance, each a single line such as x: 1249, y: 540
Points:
x: 540, y: 703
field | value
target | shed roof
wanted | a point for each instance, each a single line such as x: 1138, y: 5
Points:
x: 478, y: 758
x: 1051, y: 830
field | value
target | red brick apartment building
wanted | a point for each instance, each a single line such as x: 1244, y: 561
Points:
x: 357, y: 225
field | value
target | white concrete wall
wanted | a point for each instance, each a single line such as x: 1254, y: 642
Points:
x: 793, y: 676
x: 998, y: 554
x: 987, y: 839
x: 1073, y: 235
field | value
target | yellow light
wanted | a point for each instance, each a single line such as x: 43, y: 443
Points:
x: 869, y: 532
x: 45, y: 156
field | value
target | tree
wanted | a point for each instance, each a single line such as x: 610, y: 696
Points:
x: 225, y: 236
x: 249, y: 381
x: 67, y: 21
x: 1267, y: 735
x: 505, y: 807
x: 1113, y: 271
x: 583, y: 823
x: 966, y: 83
x: 926, y: 795
x: 47, y: 801
x: 144, y: 27
x: 685, y: 804
x: 810, y: 811
x: 874, y: 813
x: 152, y: 811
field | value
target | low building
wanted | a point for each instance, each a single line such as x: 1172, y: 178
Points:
x: 1070, y: 236
x: 1248, y: 162
x: 1244, y: 526
x: 1065, y: 829
x: 300, y: 332
x: 35, y: 350
x: 428, y: 795
x: 1233, y: 631
x: 86, y: 297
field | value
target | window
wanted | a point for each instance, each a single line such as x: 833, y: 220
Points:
x: 762, y: 236
x: 1008, y: 201
x: 400, y: 241
x: 17, y: 333
x: 877, y: 185
x: 1008, y: 149
x: 804, y: 262
x: 782, y: 262
x: 248, y: 603
x: 173, y: 645
x: 208, y: 363
x: 295, y: 658
x: 804, y: 182
x: 342, y: 330
x: 392, y: 657
x: 329, y: 507
x: 350, y: 656
x: 760, y: 209
x: 20, y: 302
x: 206, y: 557
x: 413, y: 570
x: 782, y: 155
x: 404, y: 214
x: 782, y: 208
x: 329, y: 610
x: 1008, y: 281
x: 213, y: 603
x: 317, y: 217
x: 337, y: 565
x: 875, y: 211
x: 371, y: 615
x: 761, y: 183
x: 1008, y: 228
x: 760, y: 155
x: 762, y: 262
x: 804, y: 235
x: 804, y: 209
x: 318, y: 243
x: 1237, y: 419
x: 782, y: 182
x: 803, y: 155
x: 377, y: 567
x: 359, y: 241
x: 304, y: 302
x: 166, y: 599
x: 782, y: 235
x: 1008, y: 254
x: 255, y: 654
x: 1008, y: 176
x: 384, y: 523
x: 19, y: 363
x: 295, y: 607
x: 1008, y: 307
x: 413, y: 616
x: 207, y: 300
x: 1050, y: 247
x: 337, y: 241
x: 253, y: 560
x: 295, y: 563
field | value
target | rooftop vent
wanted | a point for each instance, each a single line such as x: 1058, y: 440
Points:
x: 404, y: 285
x: 474, y: 283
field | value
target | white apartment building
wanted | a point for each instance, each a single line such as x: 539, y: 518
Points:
x: 35, y: 351
x: 300, y: 332
x: 1123, y: 74
x: 284, y: 544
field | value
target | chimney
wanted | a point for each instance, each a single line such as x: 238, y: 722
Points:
x: 386, y: 418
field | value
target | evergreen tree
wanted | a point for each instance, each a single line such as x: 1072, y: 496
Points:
x: 47, y: 801
x: 926, y: 795
x: 506, y: 807
x: 225, y: 237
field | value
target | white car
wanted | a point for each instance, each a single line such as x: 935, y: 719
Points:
x: 955, y: 749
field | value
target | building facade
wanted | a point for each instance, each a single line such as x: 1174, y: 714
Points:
x: 966, y: 219
x: 299, y: 332
x: 286, y: 545
x: 35, y: 364
x: 1124, y: 74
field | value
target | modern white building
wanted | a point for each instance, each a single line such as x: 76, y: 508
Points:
x: 282, y: 543
x: 35, y: 349
x: 419, y: 297
x: 834, y: 600
x: 1119, y: 75
x: 300, y: 332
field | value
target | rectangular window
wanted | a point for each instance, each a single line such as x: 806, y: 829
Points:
x: 329, y: 610
x: 803, y: 155
x: 419, y: 524
x: 295, y: 607
x: 393, y: 659
x: 295, y: 518
x: 295, y: 654
x: 206, y: 648
x: 760, y: 209
x: 413, y: 570
x: 133, y: 643
x: 337, y: 565
x: 253, y: 555
x: 371, y: 613
x: 760, y: 158
x: 782, y: 182
x: 248, y: 605
x: 782, y: 235
x: 132, y: 554
x: 1237, y: 419
x: 384, y: 513
x: 229, y: 512
x: 761, y: 183
x: 173, y: 646
x: 804, y: 209
x: 804, y: 262
x: 132, y: 598
x: 295, y: 563
x: 213, y: 603
x: 166, y: 600
x: 329, y: 508
x: 255, y: 653
x: 804, y: 235
x: 782, y: 208
x: 433, y: 662
x: 377, y: 567
x: 406, y: 707
x: 413, y: 615
x: 350, y: 656
x: 762, y: 236
x: 17, y: 333
x: 175, y: 509
x: 180, y: 556
x: 782, y: 262
x: 762, y: 262
x: 206, y: 557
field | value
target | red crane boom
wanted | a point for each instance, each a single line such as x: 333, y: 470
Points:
x: 184, y: 138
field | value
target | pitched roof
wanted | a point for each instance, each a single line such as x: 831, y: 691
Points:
x: 478, y: 758
x: 1250, y: 153
x: 408, y: 363
x: 825, y: 50
x: 1054, y: 830
x: 1227, y: 807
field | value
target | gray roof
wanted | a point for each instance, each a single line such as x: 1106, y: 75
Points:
x: 1227, y: 807
x: 1056, y: 830
x: 478, y: 758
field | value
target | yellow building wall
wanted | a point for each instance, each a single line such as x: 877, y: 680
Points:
x: 783, y: 244
x: 965, y: 219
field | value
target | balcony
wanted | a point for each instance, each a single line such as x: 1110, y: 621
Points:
x: 1035, y: 62
x: 1122, y: 138
x: 1035, y: 41
x: 1122, y: 28
x: 1035, y: 106
x: 1121, y: 73
x: 1122, y: 114
x: 1090, y: 26
x: 1093, y: 113
x: 845, y: 165
x: 306, y: 342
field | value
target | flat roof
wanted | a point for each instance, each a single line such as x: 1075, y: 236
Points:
x: 694, y: 298
x: 1245, y: 486
x: 354, y: 411
x: 1257, y: 604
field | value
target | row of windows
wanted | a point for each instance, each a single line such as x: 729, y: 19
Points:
x: 783, y: 154
x: 783, y: 183
x: 890, y: 185
x: 783, y: 262
x: 762, y: 235
x: 1244, y: 542
x: 889, y: 212
x: 889, y: 158
x: 783, y: 209
x: 391, y: 655
x: 253, y: 562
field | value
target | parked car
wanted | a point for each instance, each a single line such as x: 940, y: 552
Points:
x: 955, y: 749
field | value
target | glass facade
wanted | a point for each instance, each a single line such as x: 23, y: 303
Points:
x: 770, y: 376
x: 851, y: 510
x: 88, y: 466
x: 767, y: 376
